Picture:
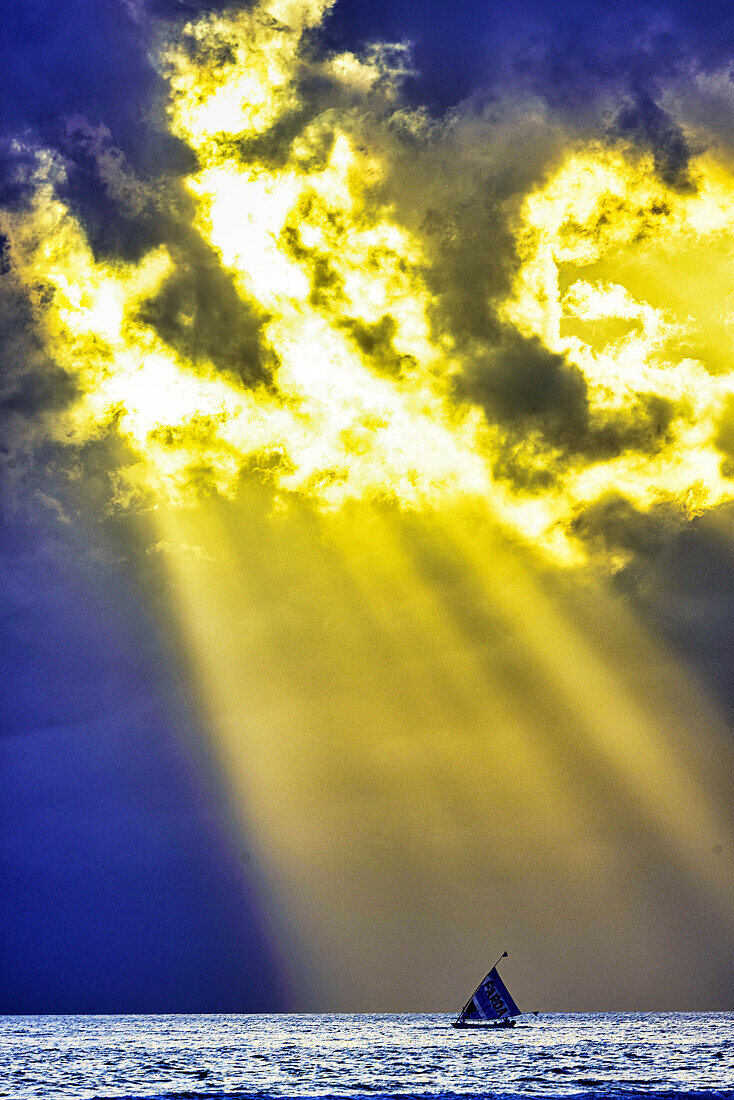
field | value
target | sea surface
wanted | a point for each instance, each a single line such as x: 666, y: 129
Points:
x: 610, y: 1055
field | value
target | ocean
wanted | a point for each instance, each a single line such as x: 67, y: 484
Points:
x: 611, y: 1055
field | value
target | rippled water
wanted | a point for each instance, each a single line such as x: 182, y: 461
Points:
x: 556, y: 1055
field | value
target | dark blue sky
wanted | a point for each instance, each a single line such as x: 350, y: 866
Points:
x: 87, y: 55
x: 562, y: 48
x: 126, y: 886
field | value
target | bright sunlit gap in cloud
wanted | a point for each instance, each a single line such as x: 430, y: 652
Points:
x: 363, y: 405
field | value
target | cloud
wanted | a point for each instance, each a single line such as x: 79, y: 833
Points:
x: 198, y: 312
x: 121, y: 214
x: 613, y: 524
x: 675, y: 570
x: 725, y: 438
x: 375, y: 341
x: 522, y: 384
x: 33, y: 387
x: 365, y: 299
x: 541, y: 402
x: 647, y: 124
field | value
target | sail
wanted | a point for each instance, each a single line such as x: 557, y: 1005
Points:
x: 491, y: 1001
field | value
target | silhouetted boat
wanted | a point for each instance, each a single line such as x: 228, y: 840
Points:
x: 490, y: 1005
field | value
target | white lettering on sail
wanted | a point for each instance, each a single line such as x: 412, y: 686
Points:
x: 495, y: 999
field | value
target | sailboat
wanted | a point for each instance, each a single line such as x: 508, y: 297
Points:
x: 490, y: 1005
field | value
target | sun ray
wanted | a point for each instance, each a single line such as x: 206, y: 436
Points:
x: 393, y: 757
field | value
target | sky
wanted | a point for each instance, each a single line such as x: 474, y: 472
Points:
x: 367, y: 484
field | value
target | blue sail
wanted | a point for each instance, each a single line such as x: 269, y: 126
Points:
x: 491, y: 1001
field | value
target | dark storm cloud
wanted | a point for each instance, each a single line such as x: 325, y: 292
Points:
x: 650, y: 127
x: 613, y: 523
x: 527, y: 389
x: 31, y: 385
x: 375, y: 341
x: 596, y: 65
x: 119, y: 175
x: 122, y: 174
x: 465, y: 277
x: 198, y: 311
x: 678, y: 574
x: 522, y: 384
x: 724, y: 439
x: 642, y: 426
x: 456, y: 183
x: 123, y: 216
x: 16, y: 168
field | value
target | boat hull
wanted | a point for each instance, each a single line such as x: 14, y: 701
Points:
x: 485, y: 1025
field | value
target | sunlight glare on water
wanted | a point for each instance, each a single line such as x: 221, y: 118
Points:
x: 555, y: 1055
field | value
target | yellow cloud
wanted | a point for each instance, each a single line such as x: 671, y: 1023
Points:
x: 615, y: 274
